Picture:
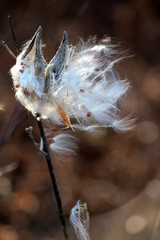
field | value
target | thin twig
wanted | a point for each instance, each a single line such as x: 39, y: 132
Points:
x: 8, y: 49
x: 15, y: 118
x: 156, y: 230
x: 29, y: 131
x: 80, y: 13
x: 53, y: 177
x: 8, y: 168
x: 13, y: 35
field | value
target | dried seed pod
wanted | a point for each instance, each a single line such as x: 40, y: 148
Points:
x: 79, y: 218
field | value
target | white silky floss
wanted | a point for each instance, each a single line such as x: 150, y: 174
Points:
x: 79, y: 218
x: 78, y: 89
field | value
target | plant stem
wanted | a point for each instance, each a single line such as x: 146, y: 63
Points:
x: 13, y: 35
x: 53, y: 177
x: 45, y: 147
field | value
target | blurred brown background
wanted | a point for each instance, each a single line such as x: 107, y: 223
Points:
x: 118, y: 175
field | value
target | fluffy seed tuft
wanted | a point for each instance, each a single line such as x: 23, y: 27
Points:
x: 79, y: 88
x: 79, y: 218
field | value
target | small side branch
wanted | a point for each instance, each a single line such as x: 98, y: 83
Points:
x: 13, y: 35
x: 29, y: 131
x: 8, y: 168
x: 53, y: 177
x: 8, y: 49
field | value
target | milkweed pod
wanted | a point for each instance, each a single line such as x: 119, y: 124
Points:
x: 79, y: 218
x: 57, y: 63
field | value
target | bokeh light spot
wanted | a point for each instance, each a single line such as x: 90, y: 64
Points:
x: 135, y: 224
x: 25, y: 201
x: 153, y: 189
x: 5, y: 186
x: 7, y: 232
x: 148, y: 132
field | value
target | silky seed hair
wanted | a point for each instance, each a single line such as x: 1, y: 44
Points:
x: 79, y: 218
x: 78, y: 89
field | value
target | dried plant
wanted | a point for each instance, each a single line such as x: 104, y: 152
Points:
x: 78, y: 90
x: 79, y: 218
